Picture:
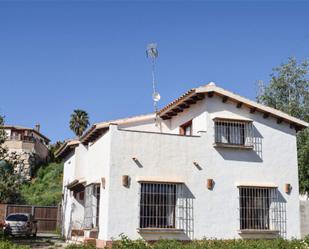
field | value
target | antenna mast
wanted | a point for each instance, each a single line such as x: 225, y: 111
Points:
x: 152, y: 53
x: 260, y: 88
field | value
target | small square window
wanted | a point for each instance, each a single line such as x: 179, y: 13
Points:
x: 186, y: 129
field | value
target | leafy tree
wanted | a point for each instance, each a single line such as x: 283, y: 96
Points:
x: 52, y: 149
x: 79, y: 122
x: 9, y: 181
x: 288, y: 91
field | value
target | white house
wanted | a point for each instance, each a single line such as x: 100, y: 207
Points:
x: 210, y: 164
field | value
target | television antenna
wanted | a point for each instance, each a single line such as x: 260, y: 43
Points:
x: 260, y: 89
x: 152, y: 53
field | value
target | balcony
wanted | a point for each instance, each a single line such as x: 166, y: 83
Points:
x: 21, y: 138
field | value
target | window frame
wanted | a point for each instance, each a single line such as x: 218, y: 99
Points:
x: 237, y: 133
x: 183, y: 128
x: 258, y: 212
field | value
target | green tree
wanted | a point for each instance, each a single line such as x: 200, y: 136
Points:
x: 9, y: 181
x: 79, y: 122
x: 52, y: 149
x: 288, y: 91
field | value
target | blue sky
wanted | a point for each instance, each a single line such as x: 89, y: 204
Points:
x: 56, y: 56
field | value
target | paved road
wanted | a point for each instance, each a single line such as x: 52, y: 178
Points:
x: 42, y: 241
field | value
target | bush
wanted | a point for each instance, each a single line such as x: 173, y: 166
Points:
x: 10, y: 245
x: 126, y: 243
x: 74, y: 246
x: 46, y: 188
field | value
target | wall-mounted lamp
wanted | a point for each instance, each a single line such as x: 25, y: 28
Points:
x: 125, y: 181
x: 103, y: 182
x: 287, y: 188
x: 210, y: 184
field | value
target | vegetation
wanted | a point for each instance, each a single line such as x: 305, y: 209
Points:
x: 10, y: 245
x: 126, y: 243
x: 206, y: 244
x: 52, y: 149
x: 46, y: 188
x: 9, y: 182
x: 79, y: 122
x: 288, y: 91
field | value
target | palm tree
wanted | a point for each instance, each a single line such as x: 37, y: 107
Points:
x: 79, y: 122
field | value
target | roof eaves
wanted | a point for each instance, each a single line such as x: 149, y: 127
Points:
x: 263, y: 108
x: 66, y: 147
x: 183, y: 97
x: 91, y: 133
x: 25, y: 128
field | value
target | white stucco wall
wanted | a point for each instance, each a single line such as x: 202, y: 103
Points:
x: 216, y: 212
x: 170, y: 156
x: 67, y: 199
x: 87, y: 164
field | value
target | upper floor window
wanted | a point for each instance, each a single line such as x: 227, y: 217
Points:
x: 233, y: 132
x: 186, y: 129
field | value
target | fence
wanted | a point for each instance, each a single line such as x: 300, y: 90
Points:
x: 48, y: 217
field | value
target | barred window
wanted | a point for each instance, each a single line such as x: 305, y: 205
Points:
x: 258, y: 208
x: 158, y: 205
x: 233, y: 132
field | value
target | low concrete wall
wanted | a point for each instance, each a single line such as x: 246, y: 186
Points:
x: 304, y: 218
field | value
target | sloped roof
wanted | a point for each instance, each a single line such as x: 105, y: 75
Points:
x: 198, y: 93
x: 96, y: 129
x: 16, y: 127
x: 178, y: 105
x: 66, y: 147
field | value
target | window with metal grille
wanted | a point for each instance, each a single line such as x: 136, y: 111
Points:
x: 233, y: 132
x: 158, y: 204
x: 259, y: 209
x: 92, y: 206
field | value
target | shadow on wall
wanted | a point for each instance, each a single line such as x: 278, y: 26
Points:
x: 73, y: 222
x: 186, y: 214
x: 254, y: 155
x: 280, y: 214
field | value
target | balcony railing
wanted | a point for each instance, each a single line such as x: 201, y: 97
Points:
x: 21, y: 138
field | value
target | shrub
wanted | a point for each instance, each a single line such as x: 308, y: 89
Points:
x: 46, y: 188
x: 74, y: 246
x: 126, y: 243
x: 10, y: 245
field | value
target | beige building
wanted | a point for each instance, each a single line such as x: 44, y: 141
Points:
x: 26, y: 147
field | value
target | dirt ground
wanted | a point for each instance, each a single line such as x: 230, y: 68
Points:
x: 42, y: 241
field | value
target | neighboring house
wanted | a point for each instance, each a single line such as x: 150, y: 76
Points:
x: 27, y: 147
x: 211, y: 164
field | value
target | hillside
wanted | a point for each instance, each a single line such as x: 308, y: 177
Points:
x: 46, y: 188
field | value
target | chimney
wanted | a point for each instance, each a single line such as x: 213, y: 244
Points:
x: 37, y: 127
